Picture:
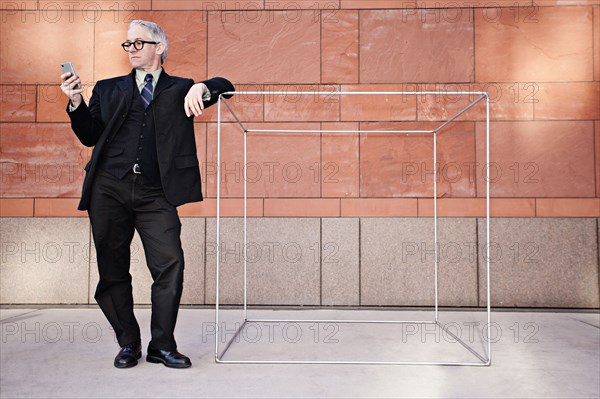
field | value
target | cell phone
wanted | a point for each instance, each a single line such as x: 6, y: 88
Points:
x: 67, y: 67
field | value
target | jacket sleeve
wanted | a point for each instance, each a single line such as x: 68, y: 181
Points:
x: 216, y: 86
x: 86, y: 122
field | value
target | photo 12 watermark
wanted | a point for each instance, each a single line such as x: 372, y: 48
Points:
x: 273, y: 252
x: 52, y: 332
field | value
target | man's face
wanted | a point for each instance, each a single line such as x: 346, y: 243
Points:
x: 148, y: 58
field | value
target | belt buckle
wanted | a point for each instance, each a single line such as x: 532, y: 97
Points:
x: 136, y: 169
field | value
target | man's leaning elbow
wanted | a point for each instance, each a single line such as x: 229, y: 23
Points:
x: 87, y: 142
x: 228, y: 86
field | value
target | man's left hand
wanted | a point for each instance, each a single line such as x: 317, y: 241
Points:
x: 193, y: 104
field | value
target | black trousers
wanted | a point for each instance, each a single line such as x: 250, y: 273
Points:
x: 118, y: 207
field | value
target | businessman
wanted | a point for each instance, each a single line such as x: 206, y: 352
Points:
x: 143, y: 166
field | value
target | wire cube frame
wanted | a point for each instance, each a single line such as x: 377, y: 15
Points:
x: 484, y: 359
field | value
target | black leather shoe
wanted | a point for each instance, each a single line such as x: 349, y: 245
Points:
x: 128, y: 355
x: 170, y: 359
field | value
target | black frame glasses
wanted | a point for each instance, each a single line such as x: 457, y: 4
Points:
x: 137, y: 44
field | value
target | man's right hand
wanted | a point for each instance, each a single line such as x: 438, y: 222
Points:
x: 68, y: 84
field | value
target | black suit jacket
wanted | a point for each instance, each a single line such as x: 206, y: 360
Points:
x: 175, y: 143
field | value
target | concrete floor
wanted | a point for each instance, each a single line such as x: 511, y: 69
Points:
x: 68, y: 353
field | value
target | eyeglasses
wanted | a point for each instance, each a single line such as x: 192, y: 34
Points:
x: 138, y: 44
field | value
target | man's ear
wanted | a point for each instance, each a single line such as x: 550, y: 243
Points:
x: 160, y: 48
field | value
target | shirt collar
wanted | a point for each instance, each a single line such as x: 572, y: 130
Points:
x: 140, y: 75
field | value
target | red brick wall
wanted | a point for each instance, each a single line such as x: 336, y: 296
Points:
x: 540, y: 62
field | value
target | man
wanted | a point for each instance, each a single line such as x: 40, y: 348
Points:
x: 143, y: 166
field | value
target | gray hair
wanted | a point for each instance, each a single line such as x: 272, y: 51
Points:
x: 156, y: 33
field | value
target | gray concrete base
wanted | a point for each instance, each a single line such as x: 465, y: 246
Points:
x: 68, y: 353
x: 534, y: 262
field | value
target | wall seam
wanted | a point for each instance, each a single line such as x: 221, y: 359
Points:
x: 206, y: 158
x: 477, y: 272
x: 594, y: 38
x: 36, y: 107
x: 321, y: 261
x: 475, y: 158
x: 359, y: 167
x: 359, y: 262
x: 94, y: 52
x: 358, y: 50
x: 320, y: 166
x: 320, y: 46
x: 205, y: 14
x: 595, y: 156
x: 204, y: 256
x: 89, y: 263
x: 474, y: 46
x: 598, y: 258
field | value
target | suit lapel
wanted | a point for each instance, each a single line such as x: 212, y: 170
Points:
x: 126, y: 83
x: 125, y: 86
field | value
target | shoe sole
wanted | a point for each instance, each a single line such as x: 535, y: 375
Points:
x: 152, y: 359
x: 126, y: 366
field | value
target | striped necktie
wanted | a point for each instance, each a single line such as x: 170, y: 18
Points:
x: 147, y: 91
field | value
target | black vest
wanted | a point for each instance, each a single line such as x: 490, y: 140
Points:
x: 134, y: 142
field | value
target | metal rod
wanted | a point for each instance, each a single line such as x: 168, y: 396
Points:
x: 351, y: 362
x: 234, y: 115
x: 350, y: 93
x: 218, y: 226
x: 237, y: 332
x: 435, y: 232
x: 341, y: 321
x: 245, y: 230
x: 339, y: 131
x: 460, y: 341
x: 485, y: 362
x: 487, y: 221
x: 460, y: 113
